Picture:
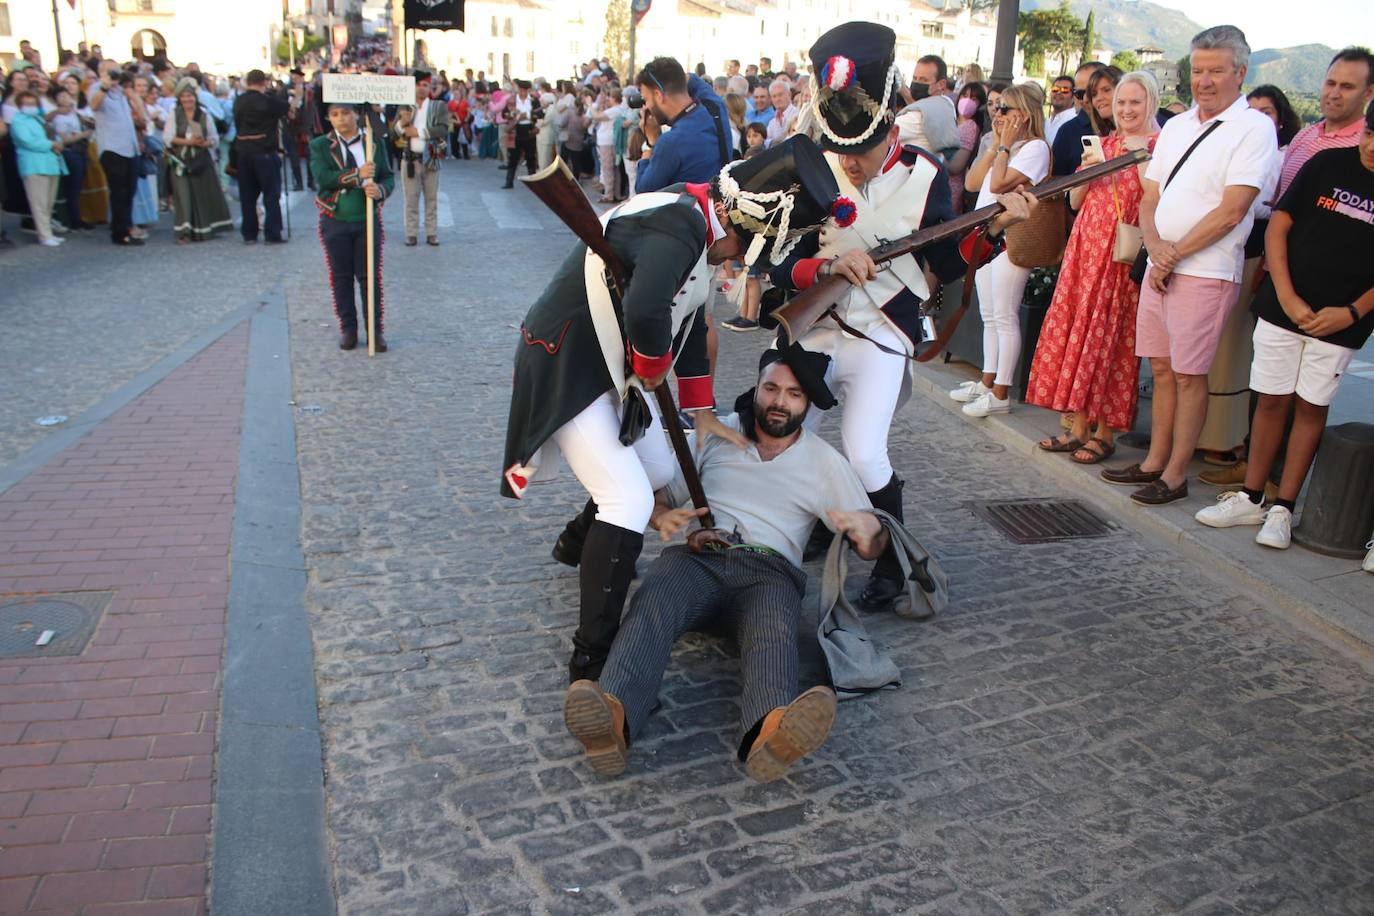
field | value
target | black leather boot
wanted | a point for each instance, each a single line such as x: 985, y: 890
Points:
x: 885, y: 583
x: 608, y: 564
x: 568, y: 548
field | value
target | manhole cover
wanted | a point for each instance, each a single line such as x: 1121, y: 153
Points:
x: 70, y: 617
x: 1040, y: 521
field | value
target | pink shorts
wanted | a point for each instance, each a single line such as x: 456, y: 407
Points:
x: 1184, y: 324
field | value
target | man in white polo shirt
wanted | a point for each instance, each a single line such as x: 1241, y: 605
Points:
x: 1196, y: 213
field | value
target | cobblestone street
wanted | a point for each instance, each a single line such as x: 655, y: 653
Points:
x: 1093, y: 727
x: 1100, y: 726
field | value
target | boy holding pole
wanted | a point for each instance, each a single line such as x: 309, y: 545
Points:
x: 353, y: 177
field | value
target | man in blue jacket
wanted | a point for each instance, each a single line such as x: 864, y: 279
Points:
x: 697, y: 144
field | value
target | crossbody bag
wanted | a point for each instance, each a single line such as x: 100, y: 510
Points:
x: 1142, y: 258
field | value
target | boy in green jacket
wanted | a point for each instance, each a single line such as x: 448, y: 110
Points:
x: 345, y: 180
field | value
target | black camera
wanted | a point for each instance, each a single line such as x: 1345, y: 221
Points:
x: 633, y: 97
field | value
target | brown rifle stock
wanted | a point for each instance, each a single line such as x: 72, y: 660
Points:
x: 797, y: 315
x: 558, y: 189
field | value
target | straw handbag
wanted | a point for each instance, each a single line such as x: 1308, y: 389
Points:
x: 1040, y: 240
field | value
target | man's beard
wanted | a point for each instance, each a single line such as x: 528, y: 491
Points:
x: 773, y: 424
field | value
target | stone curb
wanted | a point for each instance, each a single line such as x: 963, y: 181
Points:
x: 271, y: 851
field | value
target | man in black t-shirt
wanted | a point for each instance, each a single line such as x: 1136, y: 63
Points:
x: 1315, y: 311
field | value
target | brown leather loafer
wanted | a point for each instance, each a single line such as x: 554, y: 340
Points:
x: 1131, y: 475
x: 411, y: 241
x: 433, y: 240
x: 1158, y: 493
x: 348, y: 340
x: 790, y: 733
x: 597, y: 720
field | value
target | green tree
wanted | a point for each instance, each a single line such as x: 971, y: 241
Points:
x: 1126, y: 61
x: 283, y: 48
x: 1185, y: 79
x: 1055, y: 32
x: 1089, y: 39
x: 616, y: 44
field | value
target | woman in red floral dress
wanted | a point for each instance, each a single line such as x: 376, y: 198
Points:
x: 1085, y: 359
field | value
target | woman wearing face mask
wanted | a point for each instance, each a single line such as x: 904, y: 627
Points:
x: 1020, y: 157
x: 972, y: 99
x: 1085, y: 359
x: 40, y: 163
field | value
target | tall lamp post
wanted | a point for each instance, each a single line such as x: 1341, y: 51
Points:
x: 57, y: 31
x: 1004, y: 51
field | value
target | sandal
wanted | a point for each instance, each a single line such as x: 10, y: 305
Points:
x: 1060, y: 444
x: 1095, y: 457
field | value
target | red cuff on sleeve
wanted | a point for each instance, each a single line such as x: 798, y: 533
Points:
x: 650, y: 366
x: 695, y: 393
x: 804, y: 272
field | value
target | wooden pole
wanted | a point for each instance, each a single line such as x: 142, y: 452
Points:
x: 371, y: 255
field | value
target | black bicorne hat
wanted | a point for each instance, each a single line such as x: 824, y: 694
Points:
x: 779, y: 195
x: 855, y: 99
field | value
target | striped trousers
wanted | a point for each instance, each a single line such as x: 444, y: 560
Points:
x: 754, y: 596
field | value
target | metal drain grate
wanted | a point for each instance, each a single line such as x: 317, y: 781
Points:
x: 72, y: 617
x: 1041, y: 521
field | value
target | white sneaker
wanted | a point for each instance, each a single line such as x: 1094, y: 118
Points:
x: 968, y: 391
x: 1232, y: 508
x: 987, y: 403
x: 1278, y: 529
x: 1368, y: 564
x: 50, y: 243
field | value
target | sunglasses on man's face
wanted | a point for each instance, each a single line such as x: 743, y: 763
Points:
x: 1080, y: 94
x: 1061, y: 91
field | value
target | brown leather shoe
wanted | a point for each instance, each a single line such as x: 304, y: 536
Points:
x: 410, y: 241
x: 1232, y: 476
x: 348, y: 340
x: 1130, y: 475
x: 380, y: 345
x: 432, y: 240
x: 597, y: 720
x: 791, y: 732
x: 1159, y: 493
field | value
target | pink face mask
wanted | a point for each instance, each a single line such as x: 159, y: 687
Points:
x: 967, y: 107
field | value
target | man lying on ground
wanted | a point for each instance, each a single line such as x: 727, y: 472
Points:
x: 743, y: 576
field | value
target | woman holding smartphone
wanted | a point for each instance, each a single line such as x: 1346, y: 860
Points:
x: 1085, y: 359
x: 1018, y: 157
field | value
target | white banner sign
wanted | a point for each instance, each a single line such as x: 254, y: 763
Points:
x: 369, y: 87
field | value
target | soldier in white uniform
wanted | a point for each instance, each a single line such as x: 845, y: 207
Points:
x: 583, y: 363
x: 894, y: 190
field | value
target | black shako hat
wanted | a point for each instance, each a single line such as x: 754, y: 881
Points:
x: 856, y: 86
x: 779, y: 195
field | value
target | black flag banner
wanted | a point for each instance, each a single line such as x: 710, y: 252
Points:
x: 434, y: 14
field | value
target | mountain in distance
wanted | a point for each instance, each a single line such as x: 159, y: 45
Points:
x: 1126, y: 24
x: 1302, y: 68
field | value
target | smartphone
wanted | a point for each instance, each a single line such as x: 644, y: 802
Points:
x: 1094, y: 143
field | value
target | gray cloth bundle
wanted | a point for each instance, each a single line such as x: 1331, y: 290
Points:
x: 857, y: 666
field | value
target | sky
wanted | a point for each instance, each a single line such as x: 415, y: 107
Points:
x: 1273, y: 23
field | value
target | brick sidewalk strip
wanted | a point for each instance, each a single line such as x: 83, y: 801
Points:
x: 106, y: 758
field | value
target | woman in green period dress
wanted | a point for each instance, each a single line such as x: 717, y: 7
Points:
x: 198, y: 202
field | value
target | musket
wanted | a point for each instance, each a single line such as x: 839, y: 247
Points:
x: 797, y: 316
x: 558, y: 189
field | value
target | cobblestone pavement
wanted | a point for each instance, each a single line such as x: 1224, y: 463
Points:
x: 1093, y: 726
x: 85, y: 318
